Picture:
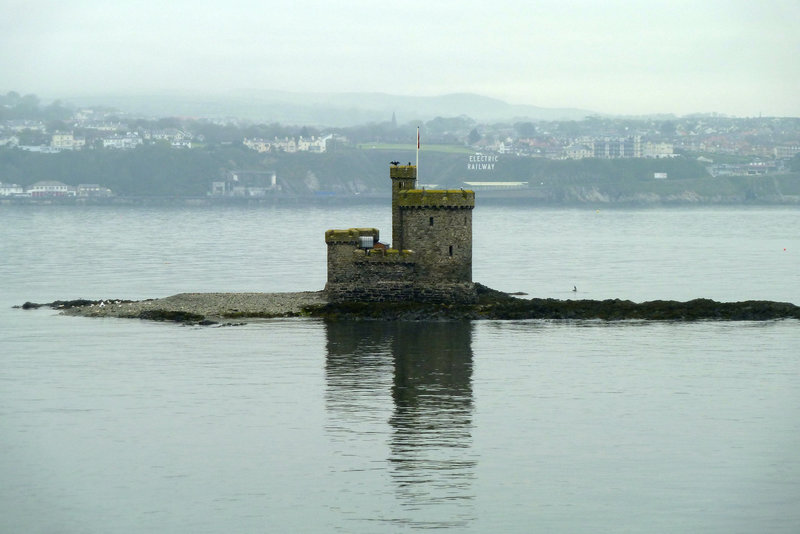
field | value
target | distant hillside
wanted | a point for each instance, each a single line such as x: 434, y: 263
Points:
x: 327, y: 109
x: 158, y: 171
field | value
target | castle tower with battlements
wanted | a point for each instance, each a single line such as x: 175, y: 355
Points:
x: 430, y: 257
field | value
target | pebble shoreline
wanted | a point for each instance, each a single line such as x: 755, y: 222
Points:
x: 211, y: 306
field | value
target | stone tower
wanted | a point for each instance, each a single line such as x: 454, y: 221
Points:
x: 404, y: 178
x: 430, y: 258
x: 436, y: 225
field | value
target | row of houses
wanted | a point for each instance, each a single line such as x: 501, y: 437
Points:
x: 60, y: 141
x: 586, y: 147
x: 53, y: 189
x: 289, y: 144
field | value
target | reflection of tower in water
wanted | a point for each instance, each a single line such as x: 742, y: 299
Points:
x: 358, y: 372
x: 432, y: 419
x: 428, y: 369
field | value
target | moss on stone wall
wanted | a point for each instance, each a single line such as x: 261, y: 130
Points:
x: 384, y: 256
x: 389, y: 253
x: 350, y: 235
x: 436, y: 198
x: 403, y: 171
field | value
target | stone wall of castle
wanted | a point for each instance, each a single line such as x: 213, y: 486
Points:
x: 437, y: 226
x: 348, y: 265
x: 342, y: 245
x: 376, y: 275
x: 402, y: 291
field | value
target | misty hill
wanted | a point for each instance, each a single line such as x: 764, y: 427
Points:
x: 329, y: 109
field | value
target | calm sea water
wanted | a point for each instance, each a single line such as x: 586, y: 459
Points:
x: 119, y: 426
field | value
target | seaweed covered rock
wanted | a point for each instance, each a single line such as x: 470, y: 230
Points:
x: 496, y: 305
x: 173, y: 315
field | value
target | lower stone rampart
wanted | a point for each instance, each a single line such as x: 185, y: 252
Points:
x: 356, y: 275
x: 402, y: 291
x: 353, y: 266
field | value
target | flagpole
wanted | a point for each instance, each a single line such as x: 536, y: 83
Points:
x: 417, y: 154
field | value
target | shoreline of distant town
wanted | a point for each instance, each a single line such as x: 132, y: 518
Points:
x: 58, y: 154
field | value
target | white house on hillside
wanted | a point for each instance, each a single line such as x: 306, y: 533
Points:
x: 658, y: 150
x: 11, y: 190
x: 11, y: 140
x: 93, y: 190
x: 66, y: 141
x: 50, y: 188
x: 122, y: 142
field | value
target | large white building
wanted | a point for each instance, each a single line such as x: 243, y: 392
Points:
x: 50, y: 188
x: 93, y: 190
x: 122, y: 142
x: 617, y: 147
x: 786, y: 152
x: 11, y: 190
x: 66, y: 141
x: 657, y: 150
x: 315, y: 144
x: 578, y: 151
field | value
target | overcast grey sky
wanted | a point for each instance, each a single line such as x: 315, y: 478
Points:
x: 735, y: 57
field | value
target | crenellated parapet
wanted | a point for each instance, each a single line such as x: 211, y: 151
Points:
x: 436, y: 198
x: 403, y: 172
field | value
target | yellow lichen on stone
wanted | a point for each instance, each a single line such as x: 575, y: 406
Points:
x: 350, y: 234
x: 423, y: 198
x: 403, y: 171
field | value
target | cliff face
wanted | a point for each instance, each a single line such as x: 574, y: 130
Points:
x: 350, y: 174
x: 688, y: 196
x: 551, y: 182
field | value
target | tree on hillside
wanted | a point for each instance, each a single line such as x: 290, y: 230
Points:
x: 169, y: 122
x: 568, y: 129
x: 450, y: 125
x: 57, y: 126
x: 307, y: 132
x: 28, y: 105
x: 9, y: 99
x: 33, y: 138
x: 14, y: 106
x: 473, y: 136
x: 668, y: 129
x: 525, y: 129
x: 794, y: 163
x: 56, y: 112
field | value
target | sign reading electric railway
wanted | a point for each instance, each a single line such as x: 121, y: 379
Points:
x: 481, y: 162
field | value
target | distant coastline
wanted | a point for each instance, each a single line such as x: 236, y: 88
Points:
x: 161, y: 175
x: 590, y: 198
